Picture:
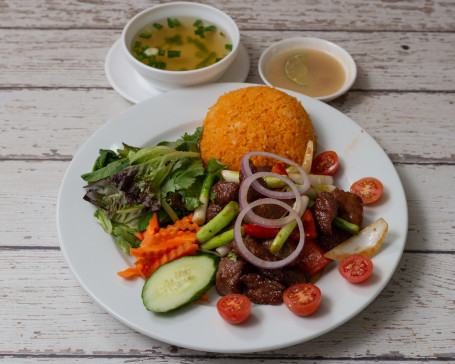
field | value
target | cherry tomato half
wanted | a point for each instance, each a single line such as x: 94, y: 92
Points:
x: 325, y: 163
x: 303, y: 299
x: 356, y: 268
x: 369, y: 189
x: 234, y: 308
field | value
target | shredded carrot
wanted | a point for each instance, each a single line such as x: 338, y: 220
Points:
x: 162, y: 245
x: 148, y: 266
x: 130, y: 273
x: 149, y: 251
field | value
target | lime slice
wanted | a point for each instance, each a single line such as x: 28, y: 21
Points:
x: 296, y: 69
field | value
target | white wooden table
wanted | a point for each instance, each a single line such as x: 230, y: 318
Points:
x: 54, y: 95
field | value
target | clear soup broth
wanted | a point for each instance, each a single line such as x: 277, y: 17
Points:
x: 180, y: 44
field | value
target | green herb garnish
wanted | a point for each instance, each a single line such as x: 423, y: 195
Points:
x: 161, y: 52
x: 228, y: 46
x: 158, y: 26
x: 145, y: 35
x: 197, y: 22
x: 160, y: 65
x: 173, y: 54
x: 175, y: 40
x: 173, y: 22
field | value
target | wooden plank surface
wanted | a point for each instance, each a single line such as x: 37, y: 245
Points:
x: 45, y: 310
x: 51, y: 103
x: 403, y: 15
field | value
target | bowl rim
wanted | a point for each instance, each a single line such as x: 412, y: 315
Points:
x: 137, y: 63
x: 352, y: 67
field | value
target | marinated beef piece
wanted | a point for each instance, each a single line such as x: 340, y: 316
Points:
x: 350, y: 206
x: 228, y: 276
x: 256, y: 248
x: 287, y: 276
x: 261, y: 290
x: 225, y: 192
x: 213, y: 209
x: 325, y: 209
x: 272, y: 211
x: 327, y: 242
x: 287, y: 249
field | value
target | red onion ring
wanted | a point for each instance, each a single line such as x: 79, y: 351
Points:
x: 262, y: 221
x: 245, y: 165
x: 249, y: 256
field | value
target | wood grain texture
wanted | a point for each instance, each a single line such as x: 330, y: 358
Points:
x: 75, y: 57
x: 401, y: 15
x: 52, y: 315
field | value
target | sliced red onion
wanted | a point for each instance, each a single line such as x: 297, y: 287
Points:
x: 245, y: 165
x: 249, y: 256
x: 252, y: 217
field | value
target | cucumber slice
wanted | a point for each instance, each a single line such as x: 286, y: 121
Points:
x: 179, y: 282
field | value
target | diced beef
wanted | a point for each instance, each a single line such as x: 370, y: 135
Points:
x: 287, y: 276
x: 228, y: 276
x: 325, y: 209
x: 350, y: 206
x: 327, y: 242
x: 287, y: 249
x: 262, y: 290
x: 213, y: 209
x: 225, y: 192
x: 254, y: 247
x: 272, y: 211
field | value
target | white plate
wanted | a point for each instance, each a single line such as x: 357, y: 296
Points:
x: 94, y: 258
x: 129, y: 84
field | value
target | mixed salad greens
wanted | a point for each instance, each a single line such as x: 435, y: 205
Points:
x: 129, y: 185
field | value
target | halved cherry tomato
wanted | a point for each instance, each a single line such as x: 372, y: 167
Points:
x: 325, y: 163
x: 260, y: 232
x: 369, y: 189
x: 356, y: 268
x: 312, y: 259
x: 303, y: 299
x: 234, y: 308
x: 279, y: 169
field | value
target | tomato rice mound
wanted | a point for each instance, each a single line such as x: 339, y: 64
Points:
x: 256, y: 118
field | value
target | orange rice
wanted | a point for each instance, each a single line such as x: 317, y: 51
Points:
x: 256, y: 118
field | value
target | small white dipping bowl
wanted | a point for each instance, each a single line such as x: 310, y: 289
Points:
x: 311, y: 43
x: 167, y: 80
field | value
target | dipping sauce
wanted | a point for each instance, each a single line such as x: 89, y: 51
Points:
x: 308, y: 71
x: 181, y: 44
